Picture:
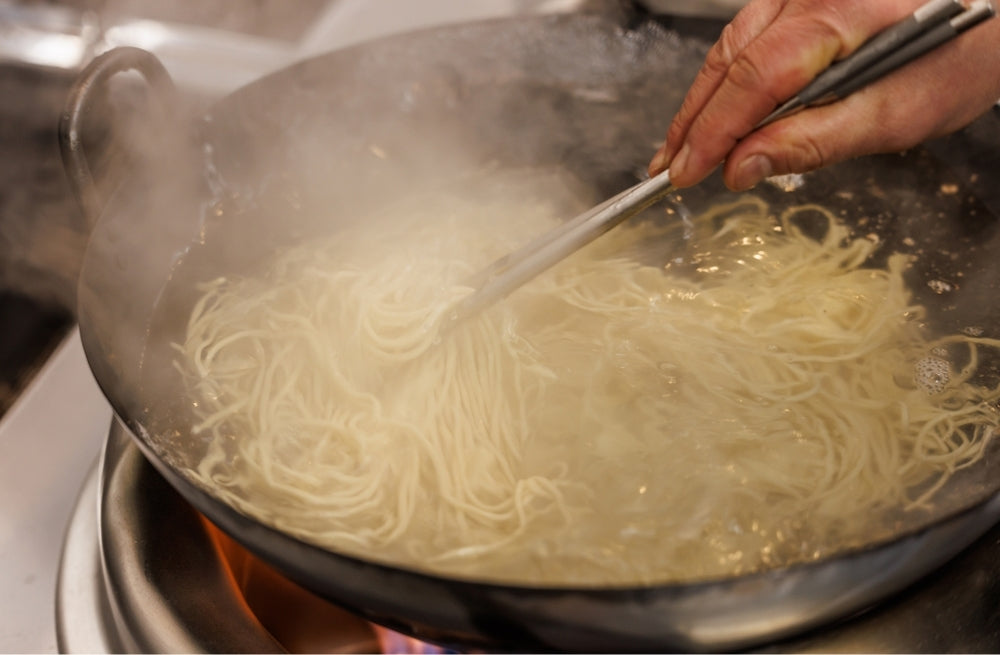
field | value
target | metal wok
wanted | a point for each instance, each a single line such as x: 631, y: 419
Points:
x: 588, y: 93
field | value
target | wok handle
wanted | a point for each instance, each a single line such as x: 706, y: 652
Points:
x: 79, y: 105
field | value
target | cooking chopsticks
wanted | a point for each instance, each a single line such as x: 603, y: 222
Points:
x: 513, y: 270
x: 936, y: 22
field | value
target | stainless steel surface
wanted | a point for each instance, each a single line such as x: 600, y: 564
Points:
x: 158, y: 565
x: 714, y: 8
x: 47, y: 35
x: 84, y: 622
x: 48, y: 441
x: 67, y: 37
x: 515, y: 269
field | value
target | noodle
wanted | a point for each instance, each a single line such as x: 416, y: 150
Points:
x: 746, y: 406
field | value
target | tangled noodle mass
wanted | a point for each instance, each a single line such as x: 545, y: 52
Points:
x: 764, y: 399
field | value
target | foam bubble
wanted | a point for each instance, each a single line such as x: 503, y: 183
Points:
x: 932, y: 374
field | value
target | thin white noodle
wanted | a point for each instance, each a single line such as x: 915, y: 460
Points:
x: 611, y: 422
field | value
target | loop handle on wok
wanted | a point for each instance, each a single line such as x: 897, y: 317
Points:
x: 80, y: 102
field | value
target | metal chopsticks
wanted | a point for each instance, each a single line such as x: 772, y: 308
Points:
x: 929, y: 26
x: 513, y: 270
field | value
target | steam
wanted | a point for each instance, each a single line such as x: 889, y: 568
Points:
x: 340, y: 139
x: 210, y: 49
x: 247, y: 40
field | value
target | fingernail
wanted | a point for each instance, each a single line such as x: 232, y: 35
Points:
x: 752, y: 170
x: 659, y: 161
x: 680, y: 161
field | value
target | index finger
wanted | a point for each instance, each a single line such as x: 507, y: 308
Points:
x: 736, y: 35
x: 802, y: 40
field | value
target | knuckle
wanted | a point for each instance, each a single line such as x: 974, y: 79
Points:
x: 688, y: 110
x: 726, y: 49
x: 890, y: 126
x: 809, y: 154
x: 747, y: 74
x: 677, y: 129
x: 802, y: 154
x: 833, y: 20
x: 724, y: 52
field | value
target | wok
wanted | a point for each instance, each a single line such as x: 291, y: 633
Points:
x: 588, y: 93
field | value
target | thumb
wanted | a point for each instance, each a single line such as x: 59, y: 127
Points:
x: 816, y: 138
x: 893, y: 114
x: 823, y: 136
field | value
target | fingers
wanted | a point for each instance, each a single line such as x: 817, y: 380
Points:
x: 930, y: 97
x: 747, y: 24
x: 771, y: 51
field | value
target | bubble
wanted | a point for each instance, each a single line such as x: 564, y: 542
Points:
x: 668, y: 371
x: 932, y: 374
x: 939, y: 286
x: 788, y: 183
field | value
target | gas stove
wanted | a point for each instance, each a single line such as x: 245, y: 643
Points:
x: 75, y: 583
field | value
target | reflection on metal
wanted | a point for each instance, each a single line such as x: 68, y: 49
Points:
x: 84, y: 623
x: 52, y: 37
x: 707, y: 8
x: 212, y: 61
x: 235, y: 59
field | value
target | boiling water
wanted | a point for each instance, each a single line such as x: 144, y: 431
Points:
x: 675, y: 403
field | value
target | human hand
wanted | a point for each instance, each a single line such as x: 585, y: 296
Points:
x: 773, y: 48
